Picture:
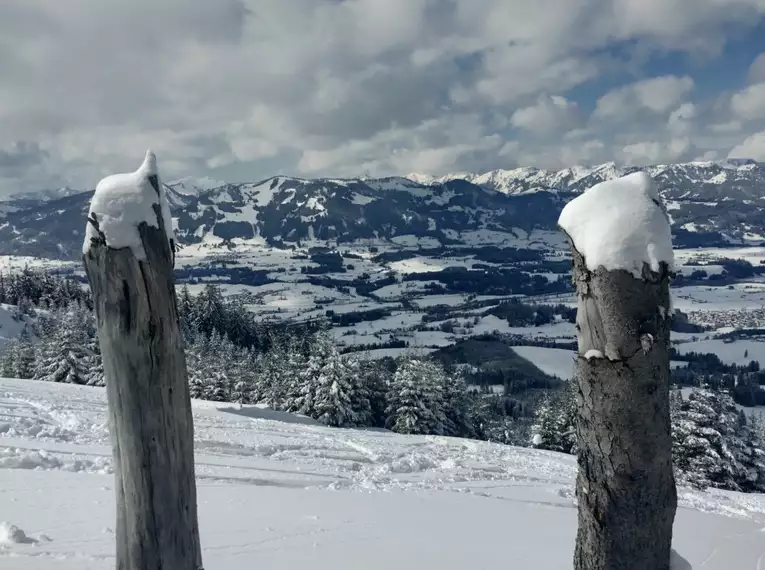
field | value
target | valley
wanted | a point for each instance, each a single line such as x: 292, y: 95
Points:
x: 417, y: 265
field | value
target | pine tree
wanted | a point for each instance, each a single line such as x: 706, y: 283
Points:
x: 197, y: 364
x: 376, y: 381
x: 457, y: 406
x: 304, y: 386
x: 333, y: 395
x: 216, y: 389
x: 701, y: 455
x: 554, y: 422
x: 748, y: 451
x: 95, y: 374
x: 62, y: 356
x: 24, y: 357
x: 8, y: 369
x: 361, y: 394
x: 273, y: 382
x: 242, y: 377
x: 414, y: 406
x: 185, y: 307
x: 209, y: 313
x: 293, y: 373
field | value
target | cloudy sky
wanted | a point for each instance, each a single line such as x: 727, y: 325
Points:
x: 243, y: 89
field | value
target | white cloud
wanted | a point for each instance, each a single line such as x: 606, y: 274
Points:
x: 726, y: 127
x: 254, y: 86
x: 757, y: 69
x: 681, y: 119
x: 753, y: 147
x: 707, y: 156
x: 749, y: 104
x: 652, y: 152
x: 657, y: 95
x: 548, y: 115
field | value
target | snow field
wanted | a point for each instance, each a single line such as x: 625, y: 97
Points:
x: 553, y: 361
x: 288, y: 494
x: 739, y: 352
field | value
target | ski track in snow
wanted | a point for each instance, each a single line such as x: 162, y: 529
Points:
x: 287, y: 492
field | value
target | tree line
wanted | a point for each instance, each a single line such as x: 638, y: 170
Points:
x: 233, y: 358
x: 714, y: 443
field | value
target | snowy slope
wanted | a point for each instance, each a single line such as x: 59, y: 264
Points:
x: 284, y: 493
x: 554, y: 361
x: 10, y: 328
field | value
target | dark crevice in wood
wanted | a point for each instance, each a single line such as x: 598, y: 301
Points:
x: 125, y: 310
x: 154, y: 181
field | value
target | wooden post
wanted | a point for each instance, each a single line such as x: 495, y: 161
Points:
x: 129, y: 263
x: 625, y: 486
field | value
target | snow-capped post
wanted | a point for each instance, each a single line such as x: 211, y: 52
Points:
x: 622, y: 248
x: 129, y: 257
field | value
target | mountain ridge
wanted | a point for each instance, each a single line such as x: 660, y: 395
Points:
x: 711, y: 204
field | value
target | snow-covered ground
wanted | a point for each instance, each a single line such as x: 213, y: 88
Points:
x: 740, y: 352
x: 279, y: 492
x: 553, y: 361
x: 753, y: 255
x: 10, y: 328
x: 746, y: 295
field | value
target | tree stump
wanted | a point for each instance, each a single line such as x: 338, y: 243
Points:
x: 625, y: 486
x: 146, y: 380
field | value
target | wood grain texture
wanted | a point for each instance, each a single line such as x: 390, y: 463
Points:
x: 626, y: 486
x: 149, y: 406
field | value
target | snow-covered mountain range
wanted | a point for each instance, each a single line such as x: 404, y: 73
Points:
x: 734, y: 172
x: 711, y: 203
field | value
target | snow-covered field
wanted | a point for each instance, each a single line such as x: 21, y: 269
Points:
x: 747, y: 295
x: 279, y: 492
x: 553, y: 361
x: 740, y: 352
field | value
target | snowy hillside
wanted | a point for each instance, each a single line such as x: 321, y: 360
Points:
x: 290, y: 494
x: 10, y: 325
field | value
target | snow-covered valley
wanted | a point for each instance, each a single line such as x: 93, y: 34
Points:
x: 489, y: 304
x: 288, y: 493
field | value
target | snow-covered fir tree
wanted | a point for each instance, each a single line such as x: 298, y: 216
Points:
x: 197, y: 363
x: 293, y: 375
x: 333, y: 392
x: 375, y: 379
x: 273, y: 382
x: 19, y: 358
x: 209, y: 311
x: 554, y: 422
x: 62, y: 356
x: 703, y: 426
x: 361, y: 393
x: 94, y: 362
x: 301, y: 389
x: 415, y: 398
x: 748, y: 450
x: 242, y: 372
x: 457, y: 405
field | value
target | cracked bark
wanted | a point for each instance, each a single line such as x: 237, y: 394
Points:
x: 149, y: 407
x: 625, y: 487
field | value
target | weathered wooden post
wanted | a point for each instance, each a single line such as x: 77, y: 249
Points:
x: 129, y: 256
x: 622, y: 249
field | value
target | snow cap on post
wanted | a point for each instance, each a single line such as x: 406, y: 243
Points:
x: 122, y: 202
x: 620, y: 224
